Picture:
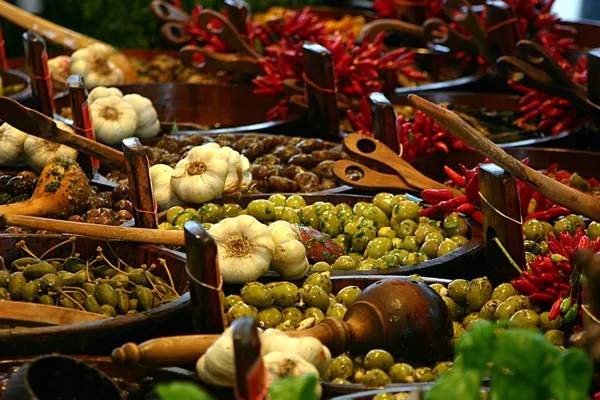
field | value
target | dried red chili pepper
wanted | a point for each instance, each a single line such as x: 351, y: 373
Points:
x: 458, y: 179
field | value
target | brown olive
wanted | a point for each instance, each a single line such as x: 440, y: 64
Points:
x: 270, y: 142
x: 106, y: 198
x: 120, y: 192
x: 274, y: 170
x: 254, y: 151
x: 306, y: 178
x: 123, y: 205
x: 260, y: 187
x: 76, y: 218
x: 285, y: 152
x: 259, y: 171
x: 328, y: 184
x: 310, y: 145
x: 99, y: 221
x: 27, y: 174
x: 322, y: 155
x: 279, y: 184
x: 324, y: 169
x: 268, y: 159
x: 124, y: 214
x: 20, y: 185
x: 226, y: 139
x: 291, y: 171
x: 4, y: 181
x: 13, y: 230
x: 243, y: 142
x: 311, y: 187
x: 304, y: 160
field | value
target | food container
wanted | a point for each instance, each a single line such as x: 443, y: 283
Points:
x: 13, y: 77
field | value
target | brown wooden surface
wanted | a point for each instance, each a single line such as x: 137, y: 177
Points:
x: 37, y: 68
x: 100, y: 337
x: 587, y: 32
x: 370, y: 179
x: 14, y: 77
x: 238, y: 13
x: 203, y: 270
x: 593, y: 84
x: 500, y: 190
x: 555, y: 191
x: 384, y: 121
x: 79, y: 106
x: 320, y: 91
x: 503, y: 38
x: 250, y: 375
x: 15, y: 313
x: 140, y: 185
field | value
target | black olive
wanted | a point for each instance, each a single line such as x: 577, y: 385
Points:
x: 123, y: 205
x: 20, y: 185
x: 4, y: 181
x: 120, y: 192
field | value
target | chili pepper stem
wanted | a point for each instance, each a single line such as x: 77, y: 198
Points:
x: 510, y: 259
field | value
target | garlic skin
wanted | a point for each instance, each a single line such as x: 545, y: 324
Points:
x: 309, y: 348
x: 160, y: 175
x: 282, y: 365
x: 239, y: 176
x: 217, y: 366
x: 11, y: 144
x: 289, y: 259
x: 93, y: 62
x: 200, y: 176
x: 60, y: 69
x: 114, y: 119
x: 100, y: 92
x: 148, y: 124
x: 245, y: 248
x: 39, y: 152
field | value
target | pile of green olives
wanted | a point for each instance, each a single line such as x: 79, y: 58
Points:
x: 388, y: 232
x: 285, y: 306
x: 95, y: 285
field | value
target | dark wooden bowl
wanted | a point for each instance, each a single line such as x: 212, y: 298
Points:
x: 14, y: 77
x: 588, y: 33
x: 210, y: 108
x: 99, y: 337
x: 461, y: 263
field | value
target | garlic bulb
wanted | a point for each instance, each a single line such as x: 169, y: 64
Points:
x: 245, y: 248
x: 309, y: 348
x: 114, y: 119
x: 239, y: 176
x: 60, y: 69
x: 200, y: 176
x: 93, y: 62
x: 282, y: 365
x: 100, y: 92
x: 11, y: 144
x: 217, y: 366
x: 147, y: 122
x: 160, y: 175
x: 289, y: 259
x: 39, y: 152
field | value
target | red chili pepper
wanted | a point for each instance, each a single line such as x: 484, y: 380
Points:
x: 555, y: 246
x: 524, y: 286
x: 439, y: 194
x: 458, y: 179
x: 595, y: 245
x: 530, y: 106
x: 442, y: 147
x: 551, y: 278
x: 536, y: 280
x: 565, y: 268
x: 540, y: 215
x: 554, y: 310
x: 477, y: 216
x: 552, y: 292
x: 557, y: 211
x: 541, y: 298
x: 466, y: 208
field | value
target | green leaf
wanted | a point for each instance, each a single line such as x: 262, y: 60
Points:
x: 510, y: 386
x: 295, y: 388
x: 181, y: 391
x: 411, y: 137
x: 571, y: 377
x: 457, y: 384
x: 451, y: 225
x: 476, y: 347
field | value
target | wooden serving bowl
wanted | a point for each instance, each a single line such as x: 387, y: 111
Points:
x: 588, y: 32
x: 99, y: 337
x: 14, y: 77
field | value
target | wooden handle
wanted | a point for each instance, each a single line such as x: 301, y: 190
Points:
x: 371, y: 151
x: 371, y: 179
x: 140, y: 185
x: 593, y: 85
x: 371, y: 29
x: 250, y: 374
x: 19, y: 313
x: 203, y: 270
x: 3, y: 59
x: 504, y: 33
x: 37, y: 68
x: 384, y: 121
x: 238, y: 13
x: 40, y: 125
x: 140, y: 235
x: 561, y: 194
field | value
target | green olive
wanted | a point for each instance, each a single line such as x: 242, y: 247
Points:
x: 262, y: 210
x: 556, y: 337
x: 269, y: 317
x: 447, y: 246
x: 351, y: 227
x: 16, y: 284
x: 360, y: 207
x: 286, y: 294
x: 442, y: 367
x: 258, y: 295
x: 346, y: 216
x: 231, y: 210
x: 342, y: 206
x: 402, y: 254
x: 534, y: 230
x: 375, y: 377
x: 385, y: 202
x: 314, y: 312
x: 564, y: 225
x: 425, y: 229
x: 452, y: 307
x: 402, y: 373
x: 323, y: 207
x: 322, y: 279
x: 173, y: 212
x: 454, y: 224
x: 409, y: 243
x: 410, y: 259
x: 547, y: 325
x: 424, y: 374
x: 292, y: 314
x: 526, y: 319
x: 315, y: 296
x: 397, y: 243
x: 593, y: 230
x: 321, y: 266
x: 336, y: 311
x: 240, y: 310
x: 509, y: 307
x: 532, y: 246
x: 439, y: 288
x: 430, y: 247
x: 341, y: 367
x: 460, y: 240
x: 165, y: 226
x: 576, y: 220
x: 479, y: 292
x: 379, y: 359
x: 503, y: 292
x: 277, y: 199
x: 384, y: 396
x: 210, y: 212
x: 435, y: 236
x: 386, y: 232
x: 295, y: 201
x: 406, y: 228
x: 378, y: 247
x: 330, y: 224
x: 366, y: 265
x: 185, y: 216
x: 472, y: 316
x: 358, y: 257
x: 406, y: 210
x: 390, y: 260
x: 488, y: 311
x: 289, y: 214
x: 457, y: 290
x: 347, y: 296
x: 376, y: 215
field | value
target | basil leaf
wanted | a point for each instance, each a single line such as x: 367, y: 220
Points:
x: 451, y: 225
x: 181, y: 391
x: 571, y: 377
x: 295, y: 388
x: 509, y: 386
x: 456, y: 384
x: 476, y: 347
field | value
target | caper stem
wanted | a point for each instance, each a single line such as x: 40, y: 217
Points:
x: 153, y: 286
x: 120, y: 261
x: 99, y: 249
x: 75, y: 288
x: 72, y: 299
x: 71, y: 240
x: 22, y: 245
x: 163, y: 262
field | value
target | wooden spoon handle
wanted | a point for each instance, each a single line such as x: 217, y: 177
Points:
x: 371, y: 179
x: 553, y: 190
x: 33, y: 314
x: 141, y: 235
x: 371, y: 29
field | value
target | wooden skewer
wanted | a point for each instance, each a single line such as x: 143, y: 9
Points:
x: 32, y: 314
x: 39, y: 125
x: 557, y: 192
x: 140, y: 235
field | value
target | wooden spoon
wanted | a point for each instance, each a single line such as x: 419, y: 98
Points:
x: 37, y: 124
x: 18, y: 313
x: 401, y: 315
x: 63, y: 36
x: 62, y: 190
x: 557, y: 192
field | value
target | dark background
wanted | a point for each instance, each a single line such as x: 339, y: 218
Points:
x: 131, y: 24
